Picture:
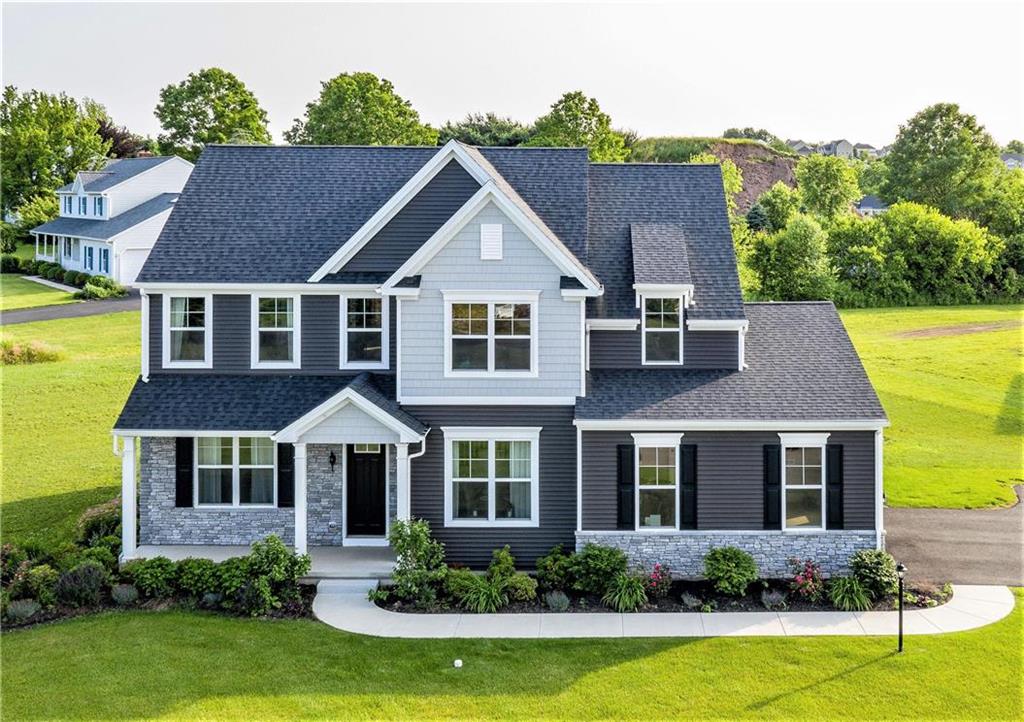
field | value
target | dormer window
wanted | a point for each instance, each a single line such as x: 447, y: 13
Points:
x: 662, y: 330
x: 97, y: 206
x: 83, y: 205
x: 67, y: 205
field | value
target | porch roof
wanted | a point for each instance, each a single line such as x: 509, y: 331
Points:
x: 100, y: 230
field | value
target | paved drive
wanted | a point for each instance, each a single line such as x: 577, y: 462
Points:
x: 965, y: 546
x: 70, y: 310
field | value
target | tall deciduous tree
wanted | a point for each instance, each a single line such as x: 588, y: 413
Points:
x: 780, y: 202
x: 792, y: 264
x: 360, y: 109
x: 44, y: 141
x: 210, y: 106
x: 828, y: 185
x: 1015, y: 146
x: 577, y: 121
x: 485, y: 129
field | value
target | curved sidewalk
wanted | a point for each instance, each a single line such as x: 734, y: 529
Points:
x: 343, y: 604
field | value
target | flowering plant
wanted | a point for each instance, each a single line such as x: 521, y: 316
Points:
x: 659, y: 581
x: 807, y: 581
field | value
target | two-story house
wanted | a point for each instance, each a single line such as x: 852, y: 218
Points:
x: 515, y: 344
x: 110, y: 218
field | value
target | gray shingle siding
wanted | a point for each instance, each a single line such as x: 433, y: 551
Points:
x: 701, y: 350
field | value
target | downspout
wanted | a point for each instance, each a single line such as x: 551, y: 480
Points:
x: 423, y: 447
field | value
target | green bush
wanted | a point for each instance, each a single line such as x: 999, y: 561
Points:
x: 10, y: 263
x: 33, y: 352
x: 595, y: 566
x: 41, y: 583
x: 83, y: 585
x: 103, y: 555
x: 848, y: 595
x: 875, y: 569
x: 272, y: 559
x: 11, y: 557
x: 55, y: 273
x: 196, y: 577
x: 69, y: 277
x: 731, y: 570
x: 557, y: 601
x: 110, y: 541
x: 22, y: 610
x: 554, y: 570
x: 256, y: 598
x: 503, y: 564
x: 153, y: 577
x: 521, y: 587
x: 626, y: 592
x: 231, y: 575
x: 482, y: 595
x: 9, y: 237
x: 124, y: 595
x: 81, y: 278
x: 457, y: 581
x: 420, y: 566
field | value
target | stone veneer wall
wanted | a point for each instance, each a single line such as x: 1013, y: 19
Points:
x: 684, y: 552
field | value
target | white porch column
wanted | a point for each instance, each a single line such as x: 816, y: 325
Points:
x: 300, y: 498
x: 402, y: 468
x: 128, y: 535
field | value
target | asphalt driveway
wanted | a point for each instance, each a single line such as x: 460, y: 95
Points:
x: 964, y: 546
x: 71, y: 310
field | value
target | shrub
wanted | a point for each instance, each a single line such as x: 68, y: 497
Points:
x: 271, y: 577
x: 554, y: 570
x: 81, y: 278
x: 774, y: 600
x: 806, y: 581
x: 659, y: 581
x: 690, y: 601
x: 420, y: 562
x: 99, y: 521
x: 42, y: 583
x: 22, y: 610
x: 521, y: 587
x: 54, y: 273
x: 557, y: 601
x: 12, y: 353
x: 153, y: 577
x: 196, y: 577
x: 10, y: 263
x: 626, y: 592
x: 848, y: 594
x: 378, y: 595
x: 731, y: 570
x: 457, y: 581
x: 503, y: 564
x: 594, y: 568
x: 103, y: 555
x: 69, y: 277
x: 11, y: 557
x: 875, y: 569
x: 9, y: 236
x: 482, y: 595
x: 83, y: 585
x: 231, y: 575
x: 791, y: 264
x: 256, y: 598
x: 110, y: 541
x: 124, y: 595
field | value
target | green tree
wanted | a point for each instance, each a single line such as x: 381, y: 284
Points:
x: 780, y: 202
x: 360, y: 109
x: 577, y: 121
x: 828, y: 185
x: 44, y: 141
x: 942, y: 158
x: 210, y: 106
x: 485, y: 129
x: 1015, y: 146
x: 792, y: 264
x: 757, y: 218
x: 766, y: 137
x: 35, y: 212
x: 871, y: 176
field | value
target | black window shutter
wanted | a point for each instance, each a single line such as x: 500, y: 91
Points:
x: 688, y: 487
x: 627, y: 517
x: 772, y: 486
x: 285, y: 475
x: 183, y: 451
x: 834, y: 486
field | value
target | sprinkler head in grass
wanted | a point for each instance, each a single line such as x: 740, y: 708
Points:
x: 457, y: 664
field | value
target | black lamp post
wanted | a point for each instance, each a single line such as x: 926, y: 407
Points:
x: 901, y: 572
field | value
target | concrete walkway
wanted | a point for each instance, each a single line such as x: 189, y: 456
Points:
x: 343, y: 604
x: 71, y: 310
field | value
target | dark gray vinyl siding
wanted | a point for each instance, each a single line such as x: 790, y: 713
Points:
x: 730, y: 478
x: 156, y: 341
x: 321, y: 332
x: 701, y: 349
x: 557, y: 482
x: 417, y: 221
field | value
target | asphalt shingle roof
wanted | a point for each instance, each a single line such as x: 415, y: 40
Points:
x: 104, y: 230
x: 659, y: 253
x: 266, y: 402
x: 801, y: 366
x: 116, y: 170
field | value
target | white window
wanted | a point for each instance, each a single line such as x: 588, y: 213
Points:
x: 67, y: 247
x: 104, y: 260
x: 492, y: 476
x: 657, y: 481
x: 662, y: 330
x: 275, y: 331
x: 490, y: 337
x: 88, y: 262
x: 97, y: 206
x: 67, y: 205
x: 490, y: 241
x: 803, y: 481
x: 235, y: 471
x: 83, y: 205
x: 367, y: 448
x: 364, y: 336
x: 188, y: 331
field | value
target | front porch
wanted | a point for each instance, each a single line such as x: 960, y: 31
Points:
x: 327, y: 562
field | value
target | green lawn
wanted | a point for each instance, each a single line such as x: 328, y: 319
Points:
x: 177, y: 665
x: 16, y: 292
x: 955, y: 400
x: 57, y: 417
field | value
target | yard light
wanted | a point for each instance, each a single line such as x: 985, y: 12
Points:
x: 901, y: 572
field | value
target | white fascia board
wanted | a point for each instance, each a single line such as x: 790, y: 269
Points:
x: 188, y: 432
x: 726, y: 425
x: 451, y: 149
x: 579, y: 294
x: 655, y: 288
x: 613, y: 324
x: 292, y: 432
x: 331, y: 289
x: 148, y: 170
x: 400, y: 292
x: 487, y: 400
x: 716, y: 324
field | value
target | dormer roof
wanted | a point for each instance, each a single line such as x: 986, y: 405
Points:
x: 114, y: 172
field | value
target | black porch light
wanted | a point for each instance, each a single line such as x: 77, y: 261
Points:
x: 332, y: 460
x: 901, y: 572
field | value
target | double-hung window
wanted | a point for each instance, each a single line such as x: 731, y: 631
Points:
x: 67, y: 205
x: 188, y: 331
x: 657, y: 481
x: 88, y: 258
x: 803, y: 481
x: 235, y: 471
x: 275, y: 331
x: 67, y: 247
x: 104, y: 260
x: 492, y: 476
x: 662, y: 330
x: 83, y: 205
x: 491, y: 336
x: 364, y: 335
x: 97, y: 206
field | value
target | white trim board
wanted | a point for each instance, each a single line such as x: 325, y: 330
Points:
x: 727, y: 425
x: 487, y: 400
x: 294, y: 430
x: 725, y: 324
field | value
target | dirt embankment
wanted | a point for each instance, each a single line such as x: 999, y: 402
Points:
x: 762, y: 167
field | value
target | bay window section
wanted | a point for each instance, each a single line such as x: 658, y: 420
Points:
x: 364, y: 322
x: 803, y: 480
x: 662, y: 331
x: 491, y: 337
x: 275, y: 342
x: 235, y: 472
x: 491, y: 477
x: 187, y: 340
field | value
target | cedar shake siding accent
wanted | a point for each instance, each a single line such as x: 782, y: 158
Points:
x: 701, y: 350
x: 730, y: 478
x: 557, y: 483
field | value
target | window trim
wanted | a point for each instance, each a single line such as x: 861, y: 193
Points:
x: 491, y: 434
x: 254, y: 331
x: 385, y: 332
x: 236, y: 489
x: 366, y: 448
x: 165, y: 322
x: 805, y: 441
x: 681, y: 297
x: 491, y: 298
x: 103, y: 260
x: 88, y: 257
x: 654, y: 441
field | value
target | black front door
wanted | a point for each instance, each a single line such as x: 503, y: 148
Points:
x: 367, y: 492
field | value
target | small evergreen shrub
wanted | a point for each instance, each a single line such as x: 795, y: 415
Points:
x: 83, y: 585
x: 81, y: 278
x: 554, y: 570
x: 196, y: 577
x: 69, y: 277
x: 154, y: 577
x: 457, y: 582
x: 731, y: 570
x: 420, y: 566
x: 595, y: 566
x: 9, y: 263
x: 124, y: 595
x: 875, y: 569
x: 21, y: 610
x: 626, y: 592
x: 54, y: 273
x: 774, y: 600
x: 256, y: 597
x: 848, y: 595
x: 503, y: 564
x: 521, y: 587
x: 11, y: 558
x: 557, y: 601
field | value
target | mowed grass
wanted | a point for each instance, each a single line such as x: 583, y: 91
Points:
x: 178, y: 665
x: 952, y: 383
x: 17, y: 292
x: 56, y: 451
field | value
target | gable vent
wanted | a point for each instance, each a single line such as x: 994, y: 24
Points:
x: 490, y: 241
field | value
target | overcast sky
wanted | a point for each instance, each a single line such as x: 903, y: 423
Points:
x: 812, y: 71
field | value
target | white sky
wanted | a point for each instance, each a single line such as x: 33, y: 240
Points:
x: 815, y: 71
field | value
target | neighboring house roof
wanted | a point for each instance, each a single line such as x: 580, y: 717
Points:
x: 864, y: 146
x: 220, y: 402
x: 1018, y: 157
x: 116, y: 170
x: 871, y: 202
x: 104, y: 230
x: 801, y: 367
x: 659, y: 253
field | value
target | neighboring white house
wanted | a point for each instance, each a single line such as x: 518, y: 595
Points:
x: 1012, y: 160
x: 871, y: 206
x: 110, y: 218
